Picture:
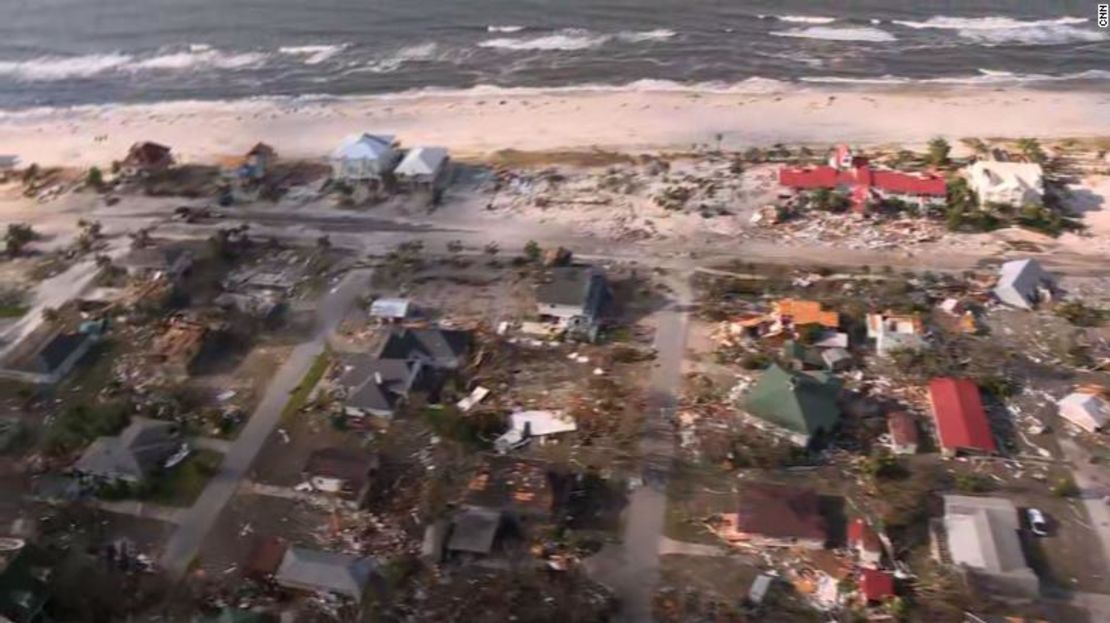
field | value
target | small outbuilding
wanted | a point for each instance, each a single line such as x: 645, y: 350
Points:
x: 390, y: 309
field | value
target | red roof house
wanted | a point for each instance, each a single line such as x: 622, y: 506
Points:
x: 876, y: 585
x: 961, y: 423
x: 863, y: 182
x: 770, y: 515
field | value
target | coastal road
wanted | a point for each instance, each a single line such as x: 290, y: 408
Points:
x: 1093, y: 487
x: 631, y: 568
x: 195, y: 523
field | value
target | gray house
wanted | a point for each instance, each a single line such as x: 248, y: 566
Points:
x: 304, y: 569
x: 439, y: 349
x: 1023, y: 284
x: 132, y: 456
x: 364, y: 157
x: 423, y: 167
x: 573, y: 296
x: 378, y: 387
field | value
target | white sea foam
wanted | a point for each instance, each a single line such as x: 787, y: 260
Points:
x: 50, y: 68
x: 203, y: 59
x: 570, y: 39
x: 509, y: 28
x: 805, y: 19
x: 313, y: 54
x: 393, y: 62
x: 985, y: 77
x: 860, y: 33
x: 1006, y: 30
x: 659, y: 34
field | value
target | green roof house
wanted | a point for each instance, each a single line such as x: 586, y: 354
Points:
x: 799, y: 405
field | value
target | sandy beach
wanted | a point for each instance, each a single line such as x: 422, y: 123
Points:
x: 477, y: 123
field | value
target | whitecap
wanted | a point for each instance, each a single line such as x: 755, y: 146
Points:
x: 1006, y: 30
x: 508, y: 29
x: 313, y: 54
x: 394, y: 61
x: 659, y: 34
x: 805, y: 19
x: 196, y: 60
x: 50, y: 68
x: 567, y: 39
x: 862, y: 33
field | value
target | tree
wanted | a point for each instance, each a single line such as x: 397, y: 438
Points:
x: 938, y: 152
x: 1032, y: 150
x: 95, y: 179
x: 18, y: 236
x: 532, y: 251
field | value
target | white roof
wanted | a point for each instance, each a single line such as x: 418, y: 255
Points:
x: 389, y: 308
x: 1086, y: 411
x: 991, y: 175
x: 364, y: 146
x: 983, y: 534
x: 422, y: 161
x: 543, y: 422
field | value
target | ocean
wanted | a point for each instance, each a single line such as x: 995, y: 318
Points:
x: 78, y: 52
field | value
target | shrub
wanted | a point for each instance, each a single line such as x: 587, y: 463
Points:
x: 1080, y: 314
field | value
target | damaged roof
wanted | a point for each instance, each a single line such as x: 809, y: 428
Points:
x: 140, y: 448
x: 568, y: 285
x: 779, y: 511
x: 378, y: 384
x: 349, y: 465
x: 314, y: 570
x: 438, y: 348
x: 474, y: 529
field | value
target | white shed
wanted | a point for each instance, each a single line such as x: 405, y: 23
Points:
x: 364, y: 157
x: 390, y: 309
x: 1087, y: 411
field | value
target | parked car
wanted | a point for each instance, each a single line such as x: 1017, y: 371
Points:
x: 1037, y: 523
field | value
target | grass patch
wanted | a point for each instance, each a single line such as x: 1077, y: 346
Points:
x: 299, y: 396
x: 182, y: 485
x: 13, y: 311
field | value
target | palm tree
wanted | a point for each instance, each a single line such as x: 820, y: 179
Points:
x: 1032, y: 150
x: 938, y: 151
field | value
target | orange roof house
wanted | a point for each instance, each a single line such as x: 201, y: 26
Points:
x: 803, y: 312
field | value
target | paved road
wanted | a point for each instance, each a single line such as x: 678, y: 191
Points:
x: 196, y: 522
x: 631, y: 569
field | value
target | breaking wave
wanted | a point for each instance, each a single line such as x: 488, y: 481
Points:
x: 313, y: 54
x: 804, y: 19
x: 570, y: 39
x: 199, y: 59
x: 410, y: 54
x: 983, y: 78
x: 861, y: 33
x: 509, y: 28
x: 49, y: 68
x: 1006, y: 30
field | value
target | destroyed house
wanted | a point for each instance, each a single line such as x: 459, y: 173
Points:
x: 177, y: 348
x: 800, y: 313
x: 863, y: 539
x: 876, y: 585
x: 1023, y: 284
x: 1010, y: 183
x: 343, y: 472
x: 902, y: 429
x: 170, y: 261
x: 958, y: 414
x: 379, y: 387
x: 314, y: 571
x: 981, y: 537
x: 145, y: 157
x: 770, y: 515
x: 137, y: 452
x: 894, y: 332
x: 523, y: 488
x: 572, y: 295
x: 25, y: 574
x: 801, y: 406
x: 438, y: 349
x: 864, y: 183
x: 1086, y: 410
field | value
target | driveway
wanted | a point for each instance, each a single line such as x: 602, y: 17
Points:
x: 197, y: 521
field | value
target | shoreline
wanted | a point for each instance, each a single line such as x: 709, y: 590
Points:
x: 475, y: 124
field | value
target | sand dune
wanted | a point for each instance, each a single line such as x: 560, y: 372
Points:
x: 475, y: 124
